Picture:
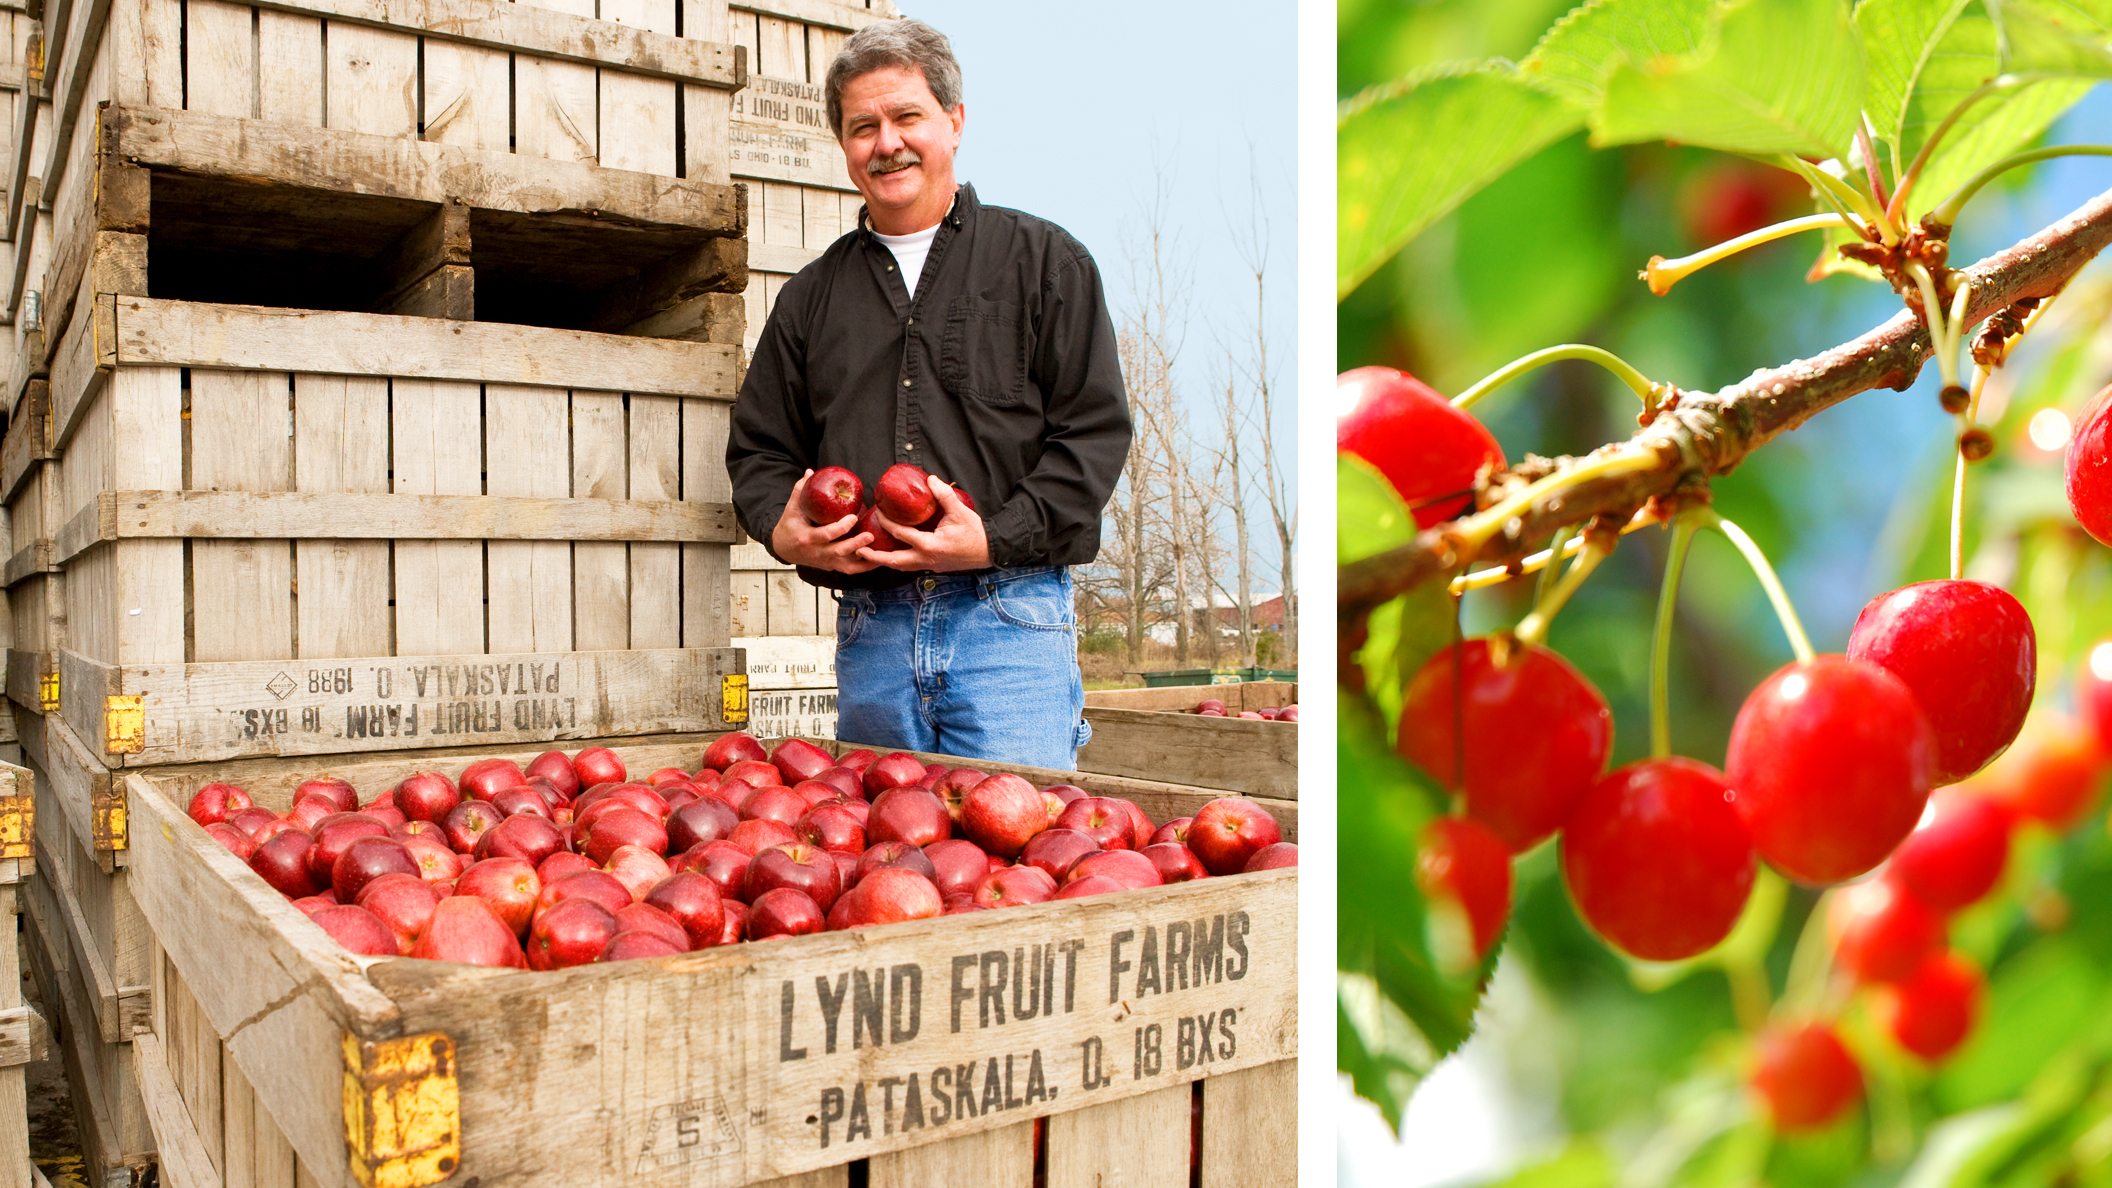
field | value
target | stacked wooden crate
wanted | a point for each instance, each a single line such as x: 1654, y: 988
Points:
x: 800, y: 200
x: 386, y: 353
x: 1154, y: 734
x: 23, y: 1033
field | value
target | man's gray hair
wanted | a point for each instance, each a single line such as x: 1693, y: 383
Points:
x: 906, y: 43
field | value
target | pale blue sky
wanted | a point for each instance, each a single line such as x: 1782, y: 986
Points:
x: 1077, y: 112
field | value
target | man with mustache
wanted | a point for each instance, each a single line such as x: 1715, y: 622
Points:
x: 973, y: 341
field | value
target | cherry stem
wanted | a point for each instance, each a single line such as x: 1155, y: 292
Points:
x: 1809, y: 962
x: 1750, y: 998
x: 1570, y: 546
x: 1556, y: 547
x: 1661, y: 274
x: 1636, y: 380
x: 1940, y: 340
x: 1533, y: 628
x: 1946, y: 212
x: 1845, y: 198
x: 1972, y: 410
x: 1792, y: 627
x: 1476, y: 529
x: 1868, y: 145
x: 1683, y: 529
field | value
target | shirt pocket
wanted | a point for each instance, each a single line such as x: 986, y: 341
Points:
x: 983, y: 352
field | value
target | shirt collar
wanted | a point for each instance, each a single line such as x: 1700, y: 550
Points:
x: 957, y: 215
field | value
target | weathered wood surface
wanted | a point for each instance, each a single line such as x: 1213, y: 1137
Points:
x: 385, y: 166
x: 1255, y: 758
x: 734, y: 1048
x: 307, y: 515
x: 1237, y: 696
x: 221, y: 711
x: 1250, y: 1128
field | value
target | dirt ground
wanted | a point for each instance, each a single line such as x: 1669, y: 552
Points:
x: 54, y: 1139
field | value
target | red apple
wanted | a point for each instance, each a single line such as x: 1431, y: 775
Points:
x: 693, y: 902
x: 523, y: 836
x: 465, y: 929
x: 250, y: 820
x: 832, y: 827
x: 729, y: 749
x: 760, y: 834
x: 1002, y: 813
x: 831, y: 493
x: 427, y: 796
x: 238, y: 843
x: 701, y: 820
x: 562, y: 863
x: 1176, y: 862
x: 571, y: 932
x: 958, y: 865
x: 782, y: 805
x: 891, y: 895
x: 487, y: 778
x: 736, y: 923
x: 365, y: 860
x: 1103, y: 819
x: 402, y: 902
x: 437, y: 861
x: 1015, y: 885
x: 844, y: 780
x: 599, y: 765
x: 1175, y: 831
x: 908, y: 814
x: 1273, y: 857
x: 800, y: 760
x: 330, y: 788
x: 639, y: 944
x: 893, y: 770
x: 1227, y: 831
x: 847, y: 868
x: 1067, y: 792
x: 311, y: 904
x: 815, y: 792
x: 334, y: 835
x: 783, y: 911
x: 215, y: 803
x: 644, y: 917
x: 896, y: 856
x: 468, y: 822
x: 638, y: 869
x: 357, y: 929
x: 1126, y: 867
x: 508, y: 884
x: 1057, y: 850
x: 756, y: 773
x: 597, y: 885
x: 798, y: 866
x: 859, y: 759
x: 601, y: 836
x: 903, y: 495
x: 1098, y: 885
x: 883, y: 540
x: 723, y: 862
x: 1140, y: 826
x: 557, y: 768
x: 524, y: 799
x: 308, y: 811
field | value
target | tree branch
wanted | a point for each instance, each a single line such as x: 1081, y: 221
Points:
x: 1703, y: 434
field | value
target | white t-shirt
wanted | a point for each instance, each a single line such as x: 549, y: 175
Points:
x: 910, y: 251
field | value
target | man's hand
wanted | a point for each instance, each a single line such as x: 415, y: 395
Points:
x: 820, y: 546
x: 955, y: 543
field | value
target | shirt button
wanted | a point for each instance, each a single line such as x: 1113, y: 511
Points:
x: 905, y: 383
x: 909, y: 445
x: 910, y: 322
x: 890, y: 268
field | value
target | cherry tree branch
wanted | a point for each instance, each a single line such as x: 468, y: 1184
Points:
x: 1702, y: 434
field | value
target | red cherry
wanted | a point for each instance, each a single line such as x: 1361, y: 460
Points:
x: 1805, y: 1076
x: 1956, y: 854
x: 1832, y: 763
x: 1932, y: 1011
x: 2090, y: 467
x: 1880, y: 933
x: 1657, y: 859
x: 1430, y: 451
x: 2050, y: 775
x: 1465, y: 868
x: 1536, y: 734
x: 1967, y: 652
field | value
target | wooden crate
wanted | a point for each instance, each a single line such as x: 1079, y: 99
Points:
x: 36, y: 605
x: 791, y: 685
x: 511, y: 91
x: 89, y: 956
x: 25, y: 221
x: 278, y: 1058
x: 293, y: 533
x: 1150, y: 734
x: 23, y: 1033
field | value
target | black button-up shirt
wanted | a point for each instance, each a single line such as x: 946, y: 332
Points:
x: 1001, y: 376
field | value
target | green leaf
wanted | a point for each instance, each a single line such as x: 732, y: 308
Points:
x: 1372, y: 516
x: 1410, y: 152
x: 1748, y: 90
x: 1397, y: 1012
x: 1900, y: 40
x: 1967, y: 55
x: 1574, y: 58
x: 2056, y: 37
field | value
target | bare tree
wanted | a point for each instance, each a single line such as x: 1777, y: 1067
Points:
x: 1252, y: 243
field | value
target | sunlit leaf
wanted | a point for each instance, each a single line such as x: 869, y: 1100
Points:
x: 1575, y: 57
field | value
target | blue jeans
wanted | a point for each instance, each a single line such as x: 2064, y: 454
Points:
x: 984, y: 666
